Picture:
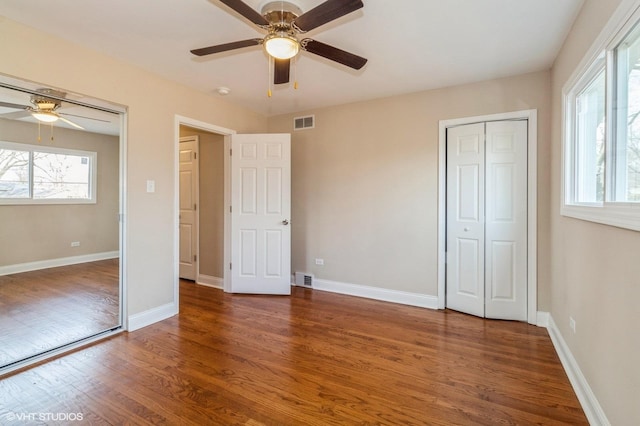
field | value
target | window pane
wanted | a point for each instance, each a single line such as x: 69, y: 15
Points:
x: 589, y: 147
x: 626, y: 152
x: 57, y: 176
x: 14, y: 173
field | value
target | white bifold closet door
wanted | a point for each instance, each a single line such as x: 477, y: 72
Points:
x: 486, y: 272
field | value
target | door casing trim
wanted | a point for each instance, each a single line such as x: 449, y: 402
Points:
x: 531, y: 116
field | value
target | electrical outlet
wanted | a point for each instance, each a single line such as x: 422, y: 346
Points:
x: 75, y: 244
x: 572, y: 324
x: 320, y: 262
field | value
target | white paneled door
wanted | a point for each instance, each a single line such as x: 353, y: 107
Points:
x: 188, y: 207
x: 465, y: 219
x: 486, y: 272
x: 260, y: 213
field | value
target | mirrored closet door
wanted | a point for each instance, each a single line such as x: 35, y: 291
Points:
x: 60, y: 229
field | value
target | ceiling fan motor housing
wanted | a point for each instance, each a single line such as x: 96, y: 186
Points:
x: 280, y: 13
x: 45, y: 103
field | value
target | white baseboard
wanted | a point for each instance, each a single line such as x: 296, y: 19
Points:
x: 542, y: 319
x: 54, y: 263
x: 592, y: 409
x: 377, y: 293
x: 143, y: 319
x: 210, y: 281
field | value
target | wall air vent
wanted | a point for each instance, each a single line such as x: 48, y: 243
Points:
x: 304, y: 280
x: 301, y: 123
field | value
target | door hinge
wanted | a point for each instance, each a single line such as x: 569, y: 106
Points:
x: 230, y: 266
x: 195, y: 155
x: 230, y: 209
x: 195, y: 257
x: 195, y: 206
x: 230, y: 152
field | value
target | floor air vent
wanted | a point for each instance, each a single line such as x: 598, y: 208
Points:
x: 304, y: 280
x: 307, y: 122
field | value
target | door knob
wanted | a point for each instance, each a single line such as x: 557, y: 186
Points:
x: 466, y: 229
x: 285, y: 222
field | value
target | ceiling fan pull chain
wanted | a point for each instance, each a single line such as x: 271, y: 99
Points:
x: 39, y: 138
x: 51, y: 132
x: 270, y: 60
x: 295, y: 73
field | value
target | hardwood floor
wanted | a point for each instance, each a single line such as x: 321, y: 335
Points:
x: 314, y: 358
x: 44, y: 309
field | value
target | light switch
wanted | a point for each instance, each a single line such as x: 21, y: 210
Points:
x: 151, y: 186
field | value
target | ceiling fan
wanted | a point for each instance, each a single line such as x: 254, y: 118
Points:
x: 284, y: 21
x: 45, y: 105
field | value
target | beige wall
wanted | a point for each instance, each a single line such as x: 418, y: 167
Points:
x: 595, y: 269
x: 211, y: 213
x: 152, y: 103
x: 32, y: 233
x: 365, y: 182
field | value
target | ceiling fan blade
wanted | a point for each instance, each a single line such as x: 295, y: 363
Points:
x: 70, y: 122
x: 227, y: 46
x: 16, y: 115
x: 333, y: 53
x: 245, y: 10
x: 10, y: 105
x: 325, y: 12
x: 281, y: 71
x: 85, y: 117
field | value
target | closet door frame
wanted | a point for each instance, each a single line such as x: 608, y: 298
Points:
x: 532, y: 202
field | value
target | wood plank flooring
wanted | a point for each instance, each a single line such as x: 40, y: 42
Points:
x: 314, y: 358
x: 44, y: 309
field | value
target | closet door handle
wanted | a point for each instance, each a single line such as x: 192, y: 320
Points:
x: 285, y: 222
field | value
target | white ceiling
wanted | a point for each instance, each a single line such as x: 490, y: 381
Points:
x: 412, y: 45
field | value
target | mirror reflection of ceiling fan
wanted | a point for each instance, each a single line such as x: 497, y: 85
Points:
x: 45, y: 108
x: 284, y: 21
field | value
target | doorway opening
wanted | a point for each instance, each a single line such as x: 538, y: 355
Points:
x: 530, y: 198
x: 202, y: 177
x: 257, y: 206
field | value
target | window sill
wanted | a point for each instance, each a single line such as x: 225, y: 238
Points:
x: 31, y: 201
x: 625, y: 216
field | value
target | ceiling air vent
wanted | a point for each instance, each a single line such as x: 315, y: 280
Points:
x: 300, y: 123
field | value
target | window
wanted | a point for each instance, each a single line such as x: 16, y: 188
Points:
x: 14, y: 173
x: 31, y: 174
x: 601, y: 166
x: 588, y: 150
x: 625, y: 151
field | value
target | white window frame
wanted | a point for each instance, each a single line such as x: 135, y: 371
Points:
x: 93, y: 174
x: 571, y: 174
x: 623, y: 215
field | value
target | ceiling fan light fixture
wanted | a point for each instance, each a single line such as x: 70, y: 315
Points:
x: 281, y: 45
x: 45, y: 116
